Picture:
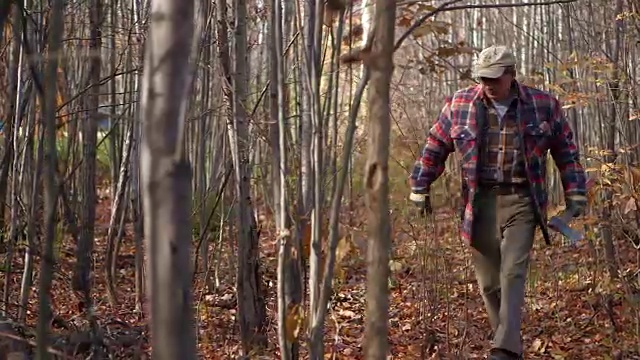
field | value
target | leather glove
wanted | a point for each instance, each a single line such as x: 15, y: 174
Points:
x: 577, y: 204
x: 422, y: 202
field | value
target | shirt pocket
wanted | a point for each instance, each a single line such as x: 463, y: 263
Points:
x: 536, y: 138
x: 464, y: 140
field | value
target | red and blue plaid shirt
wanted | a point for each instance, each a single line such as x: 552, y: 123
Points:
x: 541, y: 125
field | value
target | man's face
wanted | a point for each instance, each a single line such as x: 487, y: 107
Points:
x: 498, y: 88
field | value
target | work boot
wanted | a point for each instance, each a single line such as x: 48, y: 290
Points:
x: 502, y: 354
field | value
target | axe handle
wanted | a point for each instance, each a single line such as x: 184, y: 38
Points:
x: 541, y: 224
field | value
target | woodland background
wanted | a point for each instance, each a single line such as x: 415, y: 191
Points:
x: 264, y: 159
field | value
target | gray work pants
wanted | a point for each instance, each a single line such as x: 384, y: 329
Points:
x: 504, y: 227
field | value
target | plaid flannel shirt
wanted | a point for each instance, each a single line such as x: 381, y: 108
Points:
x: 501, y: 159
x: 541, y: 125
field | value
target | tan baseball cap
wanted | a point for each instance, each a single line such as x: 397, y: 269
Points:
x: 492, y: 61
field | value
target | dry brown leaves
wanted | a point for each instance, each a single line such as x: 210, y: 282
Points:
x: 436, y: 311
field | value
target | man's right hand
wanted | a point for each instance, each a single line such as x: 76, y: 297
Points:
x: 422, y: 202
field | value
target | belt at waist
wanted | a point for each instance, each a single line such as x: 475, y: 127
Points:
x: 504, y: 188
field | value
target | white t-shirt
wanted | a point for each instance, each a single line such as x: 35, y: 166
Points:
x: 502, y: 106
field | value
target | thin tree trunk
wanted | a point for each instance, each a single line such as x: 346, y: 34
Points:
x: 5, y: 10
x: 316, y: 351
x: 166, y: 178
x: 10, y: 162
x: 56, y: 28
x: 614, y: 88
x: 82, y: 273
x: 316, y: 143
x: 251, y: 304
x: 136, y: 201
x: 376, y: 182
x: 289, y: 289
x: 13, y: 107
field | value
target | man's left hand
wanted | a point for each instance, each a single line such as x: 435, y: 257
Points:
x: 577, y: 204
x: 422, y: 201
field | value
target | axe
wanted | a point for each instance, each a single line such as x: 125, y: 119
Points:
x: 560, y: 222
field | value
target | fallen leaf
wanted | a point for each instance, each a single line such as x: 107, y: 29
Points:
x: 630, y: 206
x: 293, y: 322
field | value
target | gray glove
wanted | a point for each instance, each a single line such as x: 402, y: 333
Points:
x: 577, y: 204
x: 422, y: 202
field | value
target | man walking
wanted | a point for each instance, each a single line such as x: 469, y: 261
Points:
x: 501, y: 131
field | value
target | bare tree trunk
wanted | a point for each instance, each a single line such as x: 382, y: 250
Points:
x: 251, y: 304
x: 289, y: 281
x: 316, y: 143
x: 82, y: 274
x: 13, y: 106
x: 614, y: 88
x: 118, y: 210
x: 10, y: 161
x: 571, y: 71
x: 136, y: 201
x: 5, y: 10
x: 56, y: 28
x: 203, y: 124
x: 316, y: 351
x: 278, y: 133
x: 376, y: 182
x: 306, y: 179
x: 166, y: 178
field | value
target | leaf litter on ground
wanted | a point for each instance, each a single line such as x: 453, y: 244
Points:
x: 435, y: 307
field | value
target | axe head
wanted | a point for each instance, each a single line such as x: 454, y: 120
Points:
x: 560, y: 223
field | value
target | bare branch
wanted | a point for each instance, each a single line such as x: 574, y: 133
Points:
x: 421, y: 21
x: 448, y: 7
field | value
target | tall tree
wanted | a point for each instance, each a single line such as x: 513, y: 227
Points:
x: 5, y: 10
x: 82, y: 273
x: 56, y: 29
x: 166, y: 178
x: 289, y: 281
x: 251, y: 304
x: 376, y: 181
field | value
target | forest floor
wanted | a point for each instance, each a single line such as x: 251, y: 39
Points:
x: 572, y: 310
